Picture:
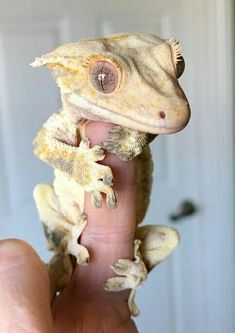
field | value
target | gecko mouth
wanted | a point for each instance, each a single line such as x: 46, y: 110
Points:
x: 93, y: 111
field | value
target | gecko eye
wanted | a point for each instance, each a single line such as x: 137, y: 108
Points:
x: 180, y: 66
x: 104, y: 76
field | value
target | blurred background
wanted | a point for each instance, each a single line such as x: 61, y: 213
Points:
x: 193, y: 290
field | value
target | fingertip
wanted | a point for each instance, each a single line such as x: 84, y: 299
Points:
x: 16, y: 250
x: 24, y: 288
x: 123, y: 171
x: 110, y: 228
x: 11, y: 246
x: 97, y: 131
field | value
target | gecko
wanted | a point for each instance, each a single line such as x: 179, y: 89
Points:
x: 130, y: 80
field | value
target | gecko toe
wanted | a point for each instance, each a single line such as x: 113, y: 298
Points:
x: 108, y: 179
x: 96, y: 199
x: 111, y: 201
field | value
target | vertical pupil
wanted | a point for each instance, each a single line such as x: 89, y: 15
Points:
x: 101, y: 78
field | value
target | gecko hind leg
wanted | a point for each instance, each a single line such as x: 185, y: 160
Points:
x: 157, y: 242
x: 132, y: 274
x: 61, y: 234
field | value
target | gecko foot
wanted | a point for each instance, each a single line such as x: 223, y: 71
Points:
x: 131, y: 276
x: 125, y: 142
x: 92, y: 176
x: 96, y: 197
x: 122, y: 266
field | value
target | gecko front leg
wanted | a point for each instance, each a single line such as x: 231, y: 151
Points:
x: 126, y: 143
x: 62, y: 235
x: 79, y: 163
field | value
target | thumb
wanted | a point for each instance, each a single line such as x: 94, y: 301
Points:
x: 24, y: 289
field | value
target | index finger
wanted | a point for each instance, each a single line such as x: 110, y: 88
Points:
x: 108, y: 236
x: 109, y: 232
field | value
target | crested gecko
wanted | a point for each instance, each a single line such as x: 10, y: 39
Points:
x: 130, y: 80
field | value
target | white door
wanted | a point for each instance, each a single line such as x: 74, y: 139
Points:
x: 193, y: 290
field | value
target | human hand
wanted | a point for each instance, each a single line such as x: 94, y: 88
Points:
x: 84, y: 306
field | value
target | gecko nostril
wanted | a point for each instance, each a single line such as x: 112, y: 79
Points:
x: 162, y: 115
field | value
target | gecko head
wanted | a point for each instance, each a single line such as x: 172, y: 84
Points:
x: 127, y: 79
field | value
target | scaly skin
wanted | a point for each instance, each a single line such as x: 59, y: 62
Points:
x: 130, y: 80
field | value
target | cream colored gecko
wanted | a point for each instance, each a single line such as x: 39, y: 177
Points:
x: 130, y: 80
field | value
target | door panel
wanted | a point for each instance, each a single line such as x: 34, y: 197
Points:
x: 28, y: 97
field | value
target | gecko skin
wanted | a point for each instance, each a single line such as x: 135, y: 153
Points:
x: 130, y: 80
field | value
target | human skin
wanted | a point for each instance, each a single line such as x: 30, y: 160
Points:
x: 84, y: 306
